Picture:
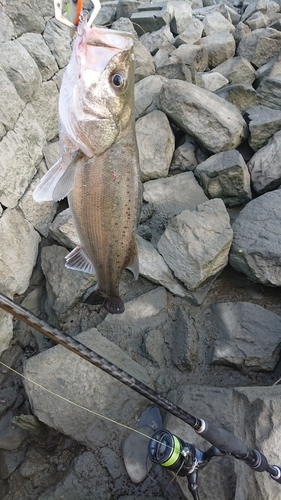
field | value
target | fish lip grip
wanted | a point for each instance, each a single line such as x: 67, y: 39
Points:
x: 62, y: 19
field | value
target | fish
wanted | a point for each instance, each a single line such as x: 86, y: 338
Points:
x: 99, y: 166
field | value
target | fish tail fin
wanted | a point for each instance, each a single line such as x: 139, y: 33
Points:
x: 114, y: 305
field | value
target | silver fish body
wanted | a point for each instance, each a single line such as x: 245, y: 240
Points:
x: 99, y: 168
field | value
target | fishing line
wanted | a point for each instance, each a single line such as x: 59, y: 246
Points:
x: 77, y: 404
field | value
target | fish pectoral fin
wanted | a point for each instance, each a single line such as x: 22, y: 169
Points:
x: 133, y: 265
x: 79, y: 261
x: 57, y: 182
x: 66, y: 182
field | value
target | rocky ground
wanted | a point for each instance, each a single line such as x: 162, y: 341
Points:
x: 202, y: 325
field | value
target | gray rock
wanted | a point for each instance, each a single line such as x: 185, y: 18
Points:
x: 215, y: 123
x: 263, y: 123
x: 57, y: 37
x: 196, y: 243
x: 185, y: 340
x: 240, y: 95
x: 83, y: 383
x: 196, y: 57
x: 40, y: 52
x: 213, y: 81
x: 264, y: 166
x: 7, y: 30
x: 215, y: 22
x: 9, y: 462
x: 191, y: 34
x: 225, y: 175
x: 144, y: 62
x: 18, y: 252
x: 107, y: 13
x: 20, y: 68
x: 51, y: 152
x: 184, y: 158
x: 182, y: 16
x: 215, y: 405
x: 11, y: 105
x: 65, y: 287
x: 241, y: 31
x: 257, y: 21
x: 249, y: 336
x: 174, y: 194
x: 180, y: 71
x: 25, y: 16
x: 146, y: 94
x: 150, y: 19
x: 153, y: 267
x: 269, y: 92
x: 152, y: 41
x: 125, y: 8
x: 220, y: 46
x: 163, y: 54
x: 254, y: 6
x: 63, y: 230
x: 155, y: 150
x: 10, y: 437
x: 83, y: 477
x: 237, y: 70
x: 257, y: 240
x: 6, y: 325
x: 124, y: 24
x: 112, y: 461
x: 154, y: 348
x: 40, y: 215
x: 259, y: 432
x: 260, y: 47
x: 24, y: 143
x: 134, y: 449
x: 45, y: 104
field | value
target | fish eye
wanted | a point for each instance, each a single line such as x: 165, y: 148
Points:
x: 118, y: 81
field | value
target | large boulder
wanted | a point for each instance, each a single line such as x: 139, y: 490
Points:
x: 264, y: 166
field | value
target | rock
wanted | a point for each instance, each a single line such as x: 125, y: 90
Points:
x: 257, y: 21
x: 24, y: 144
x: 180, y: 71
x: 124, y: 24
x: 154, y: 348
x: 191, y: 34
x: 260, y: 47
x: 26, y: 17
x: 63, y: 230
x: 220, y: 46
x: 185, y: 340
x: 249, y: 336
x: 40, y: 52
x: 215, y: 22
x: 144, y: 62
x: 225, y: 175
x: 45, y: 103
x: 84, y: 476
x: 237, y: 70
x: 213, y: 81
x: 182, y: 16
x: 134, y: 449
x: 143, y: 314
x: 215, y: 405
x: 241, y: 31
x: 184, y: 158
x: 57, y: 37
x: 264, y: 166
x: 7, y: 30
x: 263, y: 123
x: 254, y: 6
x: 257, y: 240
x: 112, y: 461
x: 259, y: 432
x: 65, y: 287
x: 155, y: 150
x: 40, y: 215
x: 152, y: 41
x: 21, y: 69
x: 146, y: 94
x: 196, y: 243
x: 153, y: 267
x: 10, y: 437
x: 240, y: 95
x: 194, y: 56
x: 107, y: 13
x: 163, y: 53
x: 51, y: 152
x: 125, y: 8
x: 11, y: 105
x: 79, y: 381
x: 215, y: 123
x: 18, y: 252
x: 9, y: 462
x: 6, y: 326
x: 269, y: 92
x: 174, y: 194
x: 148, y: 21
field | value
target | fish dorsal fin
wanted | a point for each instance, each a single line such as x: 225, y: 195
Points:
x: 57, y: 182
x: 133, y: 265
x: 79, y: 261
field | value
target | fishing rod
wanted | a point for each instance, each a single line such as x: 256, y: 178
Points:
x: 164, y: 448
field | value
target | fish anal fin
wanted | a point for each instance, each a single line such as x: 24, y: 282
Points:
x: 79, y: 261
x: 133, y: 264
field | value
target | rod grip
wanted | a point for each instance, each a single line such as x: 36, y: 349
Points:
x: 223, y: 440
